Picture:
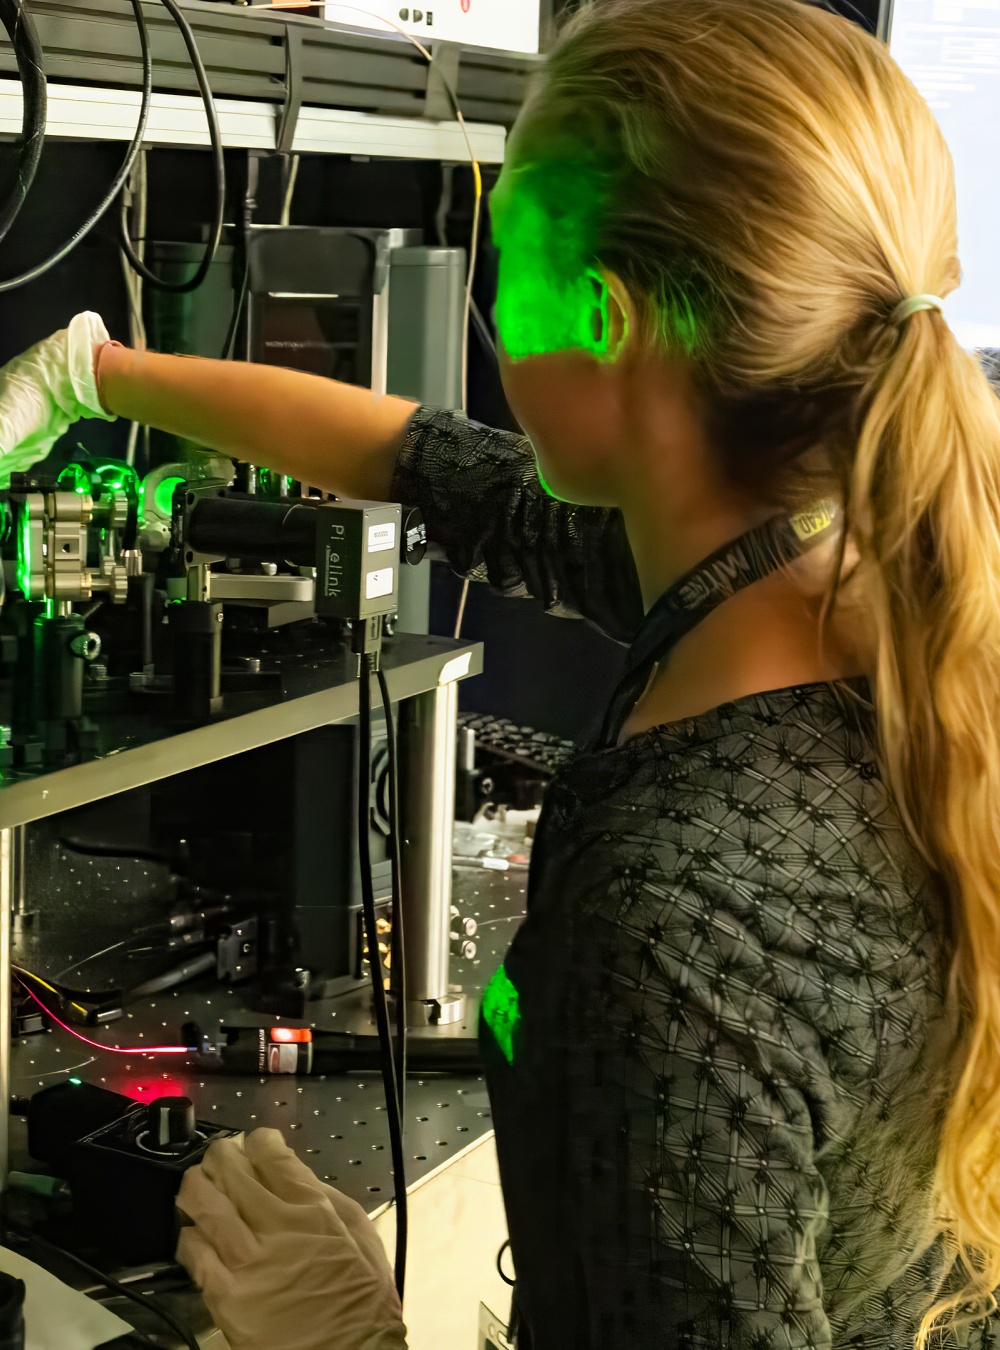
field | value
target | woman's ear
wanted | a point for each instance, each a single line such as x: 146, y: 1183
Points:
x: 612, y: 314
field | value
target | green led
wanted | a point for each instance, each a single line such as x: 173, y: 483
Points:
x: 163, y: 495
x: 77, y: 1082
x: 501, y: 1012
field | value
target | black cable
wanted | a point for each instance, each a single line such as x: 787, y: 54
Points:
x: 229, y: 345
x: 485, y: 336
x: 506, y: 1278
x: 187, y: 970
x: 143, y: 1300
x: 21, y: 30
x: 375, y: 966
x: 12, y: 283
x: 218, y: 164
x: 398, y: 971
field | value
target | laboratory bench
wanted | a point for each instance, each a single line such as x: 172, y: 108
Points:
x: 336, y: 1123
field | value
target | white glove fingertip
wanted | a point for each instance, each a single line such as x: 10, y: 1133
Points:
x: 265, y: 1143
x: 85, y: 333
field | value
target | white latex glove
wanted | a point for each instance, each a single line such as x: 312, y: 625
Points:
x: 282, y: 1259
x: 45, y: 390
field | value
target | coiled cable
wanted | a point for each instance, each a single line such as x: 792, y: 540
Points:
x: 121, y: 177
x: 21, y: 30
x: 218, y: 166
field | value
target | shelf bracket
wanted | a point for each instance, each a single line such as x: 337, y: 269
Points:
x: 289, y: 114
x: 441, y: 72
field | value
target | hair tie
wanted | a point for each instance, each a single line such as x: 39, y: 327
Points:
x: 913, y: 305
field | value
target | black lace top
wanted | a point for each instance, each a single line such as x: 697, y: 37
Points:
x: 711, y: 1050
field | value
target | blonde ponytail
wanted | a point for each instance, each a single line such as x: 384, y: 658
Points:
x: 925, y: 506
x: 781, y: 186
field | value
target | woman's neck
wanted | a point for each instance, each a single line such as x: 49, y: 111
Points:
x: 771, y: 635
x: 679, y: 507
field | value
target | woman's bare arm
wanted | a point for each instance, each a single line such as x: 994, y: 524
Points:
x: 334, y: 435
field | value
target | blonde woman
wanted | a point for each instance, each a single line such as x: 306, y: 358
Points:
x: 744, y: 1055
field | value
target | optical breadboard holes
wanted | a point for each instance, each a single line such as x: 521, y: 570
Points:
x: 505, y: 25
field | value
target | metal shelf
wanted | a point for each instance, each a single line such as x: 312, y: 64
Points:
x: 139, y: 747
x: 355, y: 92
x: 93, y: 113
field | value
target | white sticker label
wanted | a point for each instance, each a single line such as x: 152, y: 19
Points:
x: 381, y: 537
x: 379, y: 583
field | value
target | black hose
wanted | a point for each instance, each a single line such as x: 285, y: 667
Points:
x: 392, y: 1111
x: 21, y: 30
x: 218, y: 164
x: 12, y: 283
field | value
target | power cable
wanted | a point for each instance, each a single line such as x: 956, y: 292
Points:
x: 121, y: 177
x: 229, y: 345
x: 392, y: 1099
x: 135, y: 192
x: 143, y: 1300
x: 21, y: 30
x: 218, y: 164
x: 286, y: 202
x: 397, y: 973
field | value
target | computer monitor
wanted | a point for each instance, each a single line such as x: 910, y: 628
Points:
x: 950, y: 49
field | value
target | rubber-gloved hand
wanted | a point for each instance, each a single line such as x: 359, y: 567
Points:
x: 45, y: 390
x: 284, y: 1262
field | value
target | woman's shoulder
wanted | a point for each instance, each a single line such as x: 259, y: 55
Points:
x: 781, y: 733
x: 776, y: 795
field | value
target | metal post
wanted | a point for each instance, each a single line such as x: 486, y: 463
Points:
x: 8, y: 853
x: 428, y: 729
x: 21, y: 916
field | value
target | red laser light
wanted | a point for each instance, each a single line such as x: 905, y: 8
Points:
x: 111, y: 1049
x: 291, y: 1035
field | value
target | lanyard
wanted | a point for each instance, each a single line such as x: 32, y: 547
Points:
x: 729, y: 569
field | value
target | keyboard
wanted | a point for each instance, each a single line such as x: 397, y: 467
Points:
x: 539, y: 750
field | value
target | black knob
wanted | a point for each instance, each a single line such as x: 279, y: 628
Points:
x: 172, y: 1125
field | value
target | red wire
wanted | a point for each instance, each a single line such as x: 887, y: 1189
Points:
x: 111, y: 1049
